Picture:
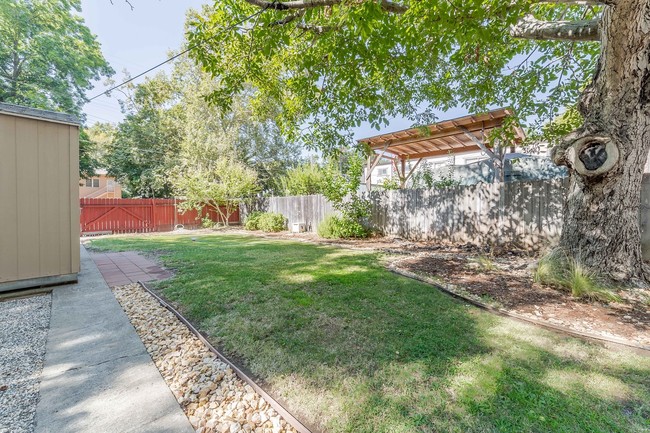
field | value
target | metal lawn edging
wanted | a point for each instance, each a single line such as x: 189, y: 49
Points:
x: 645, y: 350
x: 284, y: 413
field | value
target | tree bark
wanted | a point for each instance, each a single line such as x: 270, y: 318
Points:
x: 607, y: 155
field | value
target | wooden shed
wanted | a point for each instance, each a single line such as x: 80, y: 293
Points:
x: 39, y: 198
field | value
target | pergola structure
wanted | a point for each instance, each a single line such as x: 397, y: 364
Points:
x: 463, y: 134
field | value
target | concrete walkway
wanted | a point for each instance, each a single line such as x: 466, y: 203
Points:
x: 97, y: 375
x: 119, y: 269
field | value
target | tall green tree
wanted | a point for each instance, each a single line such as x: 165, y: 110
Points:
x: 144, y: 150
x: 48, y: 57
x: 101, y: 134
x: 211, y: 133
x: 170, y: 127
x: 305, y: 179
x: 88, y: 161
x: 332, y: 64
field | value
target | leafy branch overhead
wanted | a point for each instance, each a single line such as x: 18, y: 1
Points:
x: 48, y: 57
x: 333, y: 64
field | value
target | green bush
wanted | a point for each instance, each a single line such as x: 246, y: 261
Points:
x: 253, y: 221
x: 272, y: 222
x: 341, y: 227
x: 207, y: 223
x: 326, y: 227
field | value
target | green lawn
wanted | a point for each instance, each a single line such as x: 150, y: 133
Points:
x: 355, y: 348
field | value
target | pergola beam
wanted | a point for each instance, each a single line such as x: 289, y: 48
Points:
x: 371, y: 165
x: 412, y: 170
x: 443, y: 133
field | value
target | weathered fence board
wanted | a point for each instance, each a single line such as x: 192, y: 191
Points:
x: 308, y: 209
x: 522, y: 213
x: 528, y: 213
x: 139, y: 215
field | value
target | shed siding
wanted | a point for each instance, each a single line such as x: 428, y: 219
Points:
x: 9, y: 213
x: 39, y: 237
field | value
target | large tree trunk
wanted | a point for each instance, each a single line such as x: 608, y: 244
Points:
x: 606, y: 156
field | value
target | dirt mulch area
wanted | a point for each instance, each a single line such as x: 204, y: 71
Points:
x: 510, y: 286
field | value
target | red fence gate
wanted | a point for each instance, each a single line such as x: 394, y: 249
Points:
x: 126, y: 215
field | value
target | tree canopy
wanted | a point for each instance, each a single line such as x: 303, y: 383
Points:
x: 333, y: 64
x: 48, y: 57
x: 170, y: 128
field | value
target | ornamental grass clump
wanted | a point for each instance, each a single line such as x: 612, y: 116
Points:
x: 561, y: 272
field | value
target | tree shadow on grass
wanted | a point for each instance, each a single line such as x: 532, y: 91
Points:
x: 352, y: 347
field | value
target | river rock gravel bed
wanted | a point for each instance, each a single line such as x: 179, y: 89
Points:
x: 214, y: 399
x: 24, y: 325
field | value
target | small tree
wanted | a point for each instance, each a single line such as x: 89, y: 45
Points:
x: 220, y: 187
x: 342, y: 180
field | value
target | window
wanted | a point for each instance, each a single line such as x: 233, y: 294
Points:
x: 89, y: 182
x: 92, y: 183
x: 382, y: 171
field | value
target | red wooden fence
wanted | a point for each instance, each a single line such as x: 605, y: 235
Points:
x: 127, y: 215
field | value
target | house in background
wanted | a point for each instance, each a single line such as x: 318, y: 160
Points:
x: 100, y: 186
x: 453, y: 149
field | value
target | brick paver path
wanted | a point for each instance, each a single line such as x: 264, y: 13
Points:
x: 128, y: 267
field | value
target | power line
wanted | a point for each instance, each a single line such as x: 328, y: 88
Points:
x: 187, y: 50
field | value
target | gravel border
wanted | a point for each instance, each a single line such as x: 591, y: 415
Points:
x: 24, y: 325
x: 214, y: 399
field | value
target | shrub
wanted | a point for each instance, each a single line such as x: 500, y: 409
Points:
x: 272, y: 222
x: 350, y: 228
x: 207, y: 223
x: 253, y: 221
x: 342, y: 227
x: 326, y: 228
x: 561, y: 272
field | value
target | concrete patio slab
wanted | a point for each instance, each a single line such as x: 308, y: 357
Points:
x: 97, y: 375
x: 127, y: 267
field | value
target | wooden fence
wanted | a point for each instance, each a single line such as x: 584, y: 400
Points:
x: 307, y: 209
x: 113, y: 215
x: 528, y: 214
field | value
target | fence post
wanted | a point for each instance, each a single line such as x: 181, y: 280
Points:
x: 153, y: 215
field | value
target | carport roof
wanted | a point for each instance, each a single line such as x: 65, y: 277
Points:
x: 454, y: 135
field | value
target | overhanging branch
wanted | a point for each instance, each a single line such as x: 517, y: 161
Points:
x: 287, y: 19
x: 319, y: 30
x: 578, y: 2
x: 388, y: 5
x: 530, y: 27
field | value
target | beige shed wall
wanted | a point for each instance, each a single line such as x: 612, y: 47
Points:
x: 39, y: 198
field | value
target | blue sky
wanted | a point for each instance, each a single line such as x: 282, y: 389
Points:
x: 141, y: 38
x: 132, y: 39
